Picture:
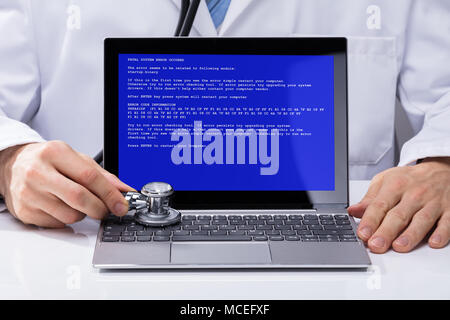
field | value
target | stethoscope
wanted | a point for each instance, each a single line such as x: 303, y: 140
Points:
x: 151, y: 206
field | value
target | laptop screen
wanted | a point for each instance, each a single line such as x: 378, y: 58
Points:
x: 214, y: 122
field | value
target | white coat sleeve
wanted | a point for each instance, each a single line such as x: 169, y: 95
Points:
x: 19, y: 75
x: 424, y: 82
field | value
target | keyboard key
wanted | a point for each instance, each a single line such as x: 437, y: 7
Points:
x: 110, y: 238
x: 162, y: 233
x: 181, y: 232
x: 288, y: 233
x: 340, y: 217
x: 209, y: 227
x: 188, y: 227
x: 131, y: 225
x: 219, y: 232
x: 127, y: 218
x: 282, y: 227
x: 200, y: 222
x: 273, y: 232
x: 264, y: 217
x: 260, y: 238
x: 310, y: 217
x: 255, y: 233
x: 300, y: 227
x: 245, y: 227
x: 225, y: 227
x: 144, y: 238
x: 292, y: 238
x: 237, y: 232
x: 338, y: 227
x: 116, y: 228
x: 276, y: 238
x: 188, y: 218
x: 342, y: 222
x: 326, y: 217
x: 349, y: 240
x: 325, y: 232
x: 310, y: 240
x: 162, y: 238
x: 211, y: 238
x: 342, y: 232
x: 173, y: 227
x: 200, y: 232
x: 112, y: 218
x: 127, y: 234
x: 329, y: 237
x: 144, y: 233
x: 259, y: 227
x: 315, y: 227
x: 327, y: 222
x: 111, y: 233
x: 308, y: 222
x: 295, y: 217
x: 280, y: 217
x: 127, y: 239
x: 328, y: 240
x: 234, y: 217
x: 304, y: 232
x: 204, y: 217
x: 237, y: 222
x: 135, y: 228
x: 250, y: 218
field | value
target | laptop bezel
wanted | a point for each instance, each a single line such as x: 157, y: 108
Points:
x: 296, y: 199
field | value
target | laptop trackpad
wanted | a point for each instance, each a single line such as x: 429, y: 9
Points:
x: 220, y: 253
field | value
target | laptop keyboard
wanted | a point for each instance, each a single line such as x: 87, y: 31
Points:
x: 306, y: 228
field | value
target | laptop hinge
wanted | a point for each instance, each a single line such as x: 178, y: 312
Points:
x: 330, y: 206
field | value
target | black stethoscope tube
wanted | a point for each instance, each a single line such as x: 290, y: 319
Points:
x: 188, y: 11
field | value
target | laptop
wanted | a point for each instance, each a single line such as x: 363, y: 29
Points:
x: 252, y: 135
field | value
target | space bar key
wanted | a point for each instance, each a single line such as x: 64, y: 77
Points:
x: 212, y: 238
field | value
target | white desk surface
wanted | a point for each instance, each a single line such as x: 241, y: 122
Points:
x: 56, y: 264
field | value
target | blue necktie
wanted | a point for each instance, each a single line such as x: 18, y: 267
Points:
x: 218, y: 9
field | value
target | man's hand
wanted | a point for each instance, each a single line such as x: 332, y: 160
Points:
x: 49, y: 184
x: 403, y: 205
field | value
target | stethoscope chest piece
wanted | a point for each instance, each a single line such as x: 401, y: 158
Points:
x: 152, y: 205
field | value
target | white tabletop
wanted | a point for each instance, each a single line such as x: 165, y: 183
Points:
x: 49, y: 264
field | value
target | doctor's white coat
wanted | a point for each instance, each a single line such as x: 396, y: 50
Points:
x: 51, y: 65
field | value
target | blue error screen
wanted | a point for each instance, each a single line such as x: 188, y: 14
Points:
x: 227, y: 122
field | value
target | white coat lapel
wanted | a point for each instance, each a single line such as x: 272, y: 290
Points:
x: 234, y: 11
x: 203, y: 23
